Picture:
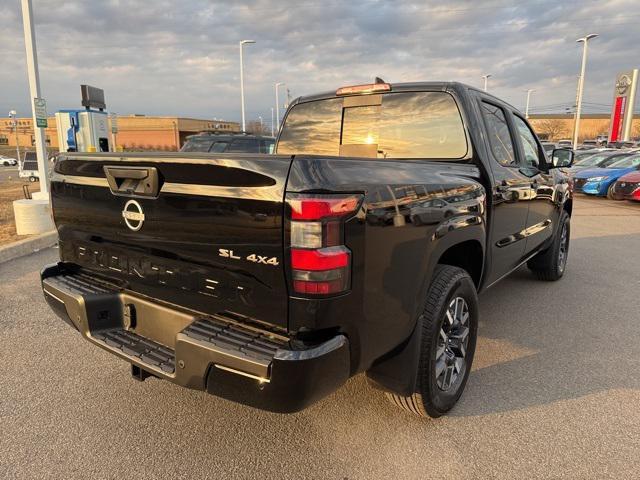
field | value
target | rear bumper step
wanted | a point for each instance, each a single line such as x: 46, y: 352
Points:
x: 216, y: 354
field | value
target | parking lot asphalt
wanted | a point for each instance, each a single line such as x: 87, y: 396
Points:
x: 8, y: 173
x: 555, y: 391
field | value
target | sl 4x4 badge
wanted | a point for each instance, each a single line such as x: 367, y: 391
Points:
x: 265, y: 260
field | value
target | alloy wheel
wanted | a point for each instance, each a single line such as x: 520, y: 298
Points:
x: 564, y: 248
x: 452, y: 344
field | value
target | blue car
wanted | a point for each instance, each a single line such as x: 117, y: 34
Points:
x: 599, y: 181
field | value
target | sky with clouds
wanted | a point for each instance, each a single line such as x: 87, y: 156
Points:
x: 161, y: 57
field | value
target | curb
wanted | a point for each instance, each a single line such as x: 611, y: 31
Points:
x: 28, y: 246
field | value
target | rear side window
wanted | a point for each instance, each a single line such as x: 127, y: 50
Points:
x: 393, y: 125
x: 499, y: 136
x: 266, y: 146
x: 246, y: 145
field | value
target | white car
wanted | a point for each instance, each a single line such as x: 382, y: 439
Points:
x: 7, y: 161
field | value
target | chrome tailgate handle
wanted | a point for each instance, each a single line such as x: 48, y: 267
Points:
x: 133, y: 181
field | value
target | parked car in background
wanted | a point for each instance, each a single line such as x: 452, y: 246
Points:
x: 8, y: 161
x: 587, y: 144
x: 29, y: 167
x: 565, y: 143
x: 627, y: 187
x: 217, y: 143
x: 548, y: 147
x: 620, y: 145
x: 595, y: 159
x: 600, y: 181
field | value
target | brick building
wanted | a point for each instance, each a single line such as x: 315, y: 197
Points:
x: 141, y: 132
x: 135, y: 132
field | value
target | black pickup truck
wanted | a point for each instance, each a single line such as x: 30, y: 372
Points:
x: 359, y: 246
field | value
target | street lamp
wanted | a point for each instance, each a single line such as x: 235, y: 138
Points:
x: 34, y: 91
x: 526, y: 110
x: 486, y: 77
x: 242, y: 44
x: 278, y: 85
x: 14, y: 123
x: 576, y: 125
x: 272, y: 124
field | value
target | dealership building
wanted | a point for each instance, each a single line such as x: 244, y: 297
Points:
x: 141, y: 132
x: 135, y: 132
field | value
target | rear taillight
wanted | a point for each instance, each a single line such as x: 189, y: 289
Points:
x: 320, y: 262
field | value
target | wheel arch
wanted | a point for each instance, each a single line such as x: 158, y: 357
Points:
x: 568, y: 206
x: 468, y: 255
x: 396, y: 371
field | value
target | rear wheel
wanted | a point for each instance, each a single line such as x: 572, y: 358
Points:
x: 551, y: 263
x: 449, y: 331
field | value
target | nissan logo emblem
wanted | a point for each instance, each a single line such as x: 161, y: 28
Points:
x: 133, y: 215
x: 622, y: 84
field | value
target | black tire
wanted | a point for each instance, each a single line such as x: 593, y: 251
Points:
x: 610, y: 193
x: 432, y: 396
x: 550, y: 264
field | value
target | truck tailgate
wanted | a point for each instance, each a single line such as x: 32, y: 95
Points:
x: 199, y: 231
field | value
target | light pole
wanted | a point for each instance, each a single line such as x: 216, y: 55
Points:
x: 261, y: 125
x: 14, y: 123
x: 576, y: 125
x: 486, y: 77
x: 34, y: 89
x: 277, y: 86
x: 526, y: 110
x: 272, y: 124
x: 242, y: 44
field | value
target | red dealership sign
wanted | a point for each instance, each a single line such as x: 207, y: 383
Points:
x: 623, y: 104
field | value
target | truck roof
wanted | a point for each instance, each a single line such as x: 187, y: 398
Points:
x: 408, y: 87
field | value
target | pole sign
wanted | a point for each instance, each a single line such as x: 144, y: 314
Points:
x: 114, y: 123
x: 624, y: 95
x: 40, y: 109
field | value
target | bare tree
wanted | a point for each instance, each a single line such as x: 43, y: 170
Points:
x: 256, y: 127
x: 553, y: 128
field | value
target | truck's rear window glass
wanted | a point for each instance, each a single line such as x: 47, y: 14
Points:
x: 403, y: 125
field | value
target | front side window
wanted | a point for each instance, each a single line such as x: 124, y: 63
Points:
x: 219, y: 147
x: 529, y: 143
x: 197, y: 145
x: 628, y: 162
x: 499, y: 136
x: 393, y: 125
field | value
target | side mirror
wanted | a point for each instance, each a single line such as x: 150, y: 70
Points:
x: 561, y: 158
